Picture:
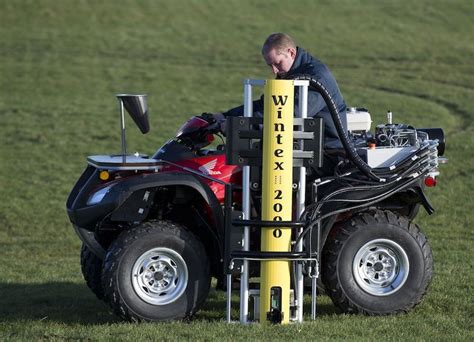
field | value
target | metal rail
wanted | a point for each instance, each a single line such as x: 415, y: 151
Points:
x: 246, y: 207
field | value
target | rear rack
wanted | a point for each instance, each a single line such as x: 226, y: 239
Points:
x: 121, y: 162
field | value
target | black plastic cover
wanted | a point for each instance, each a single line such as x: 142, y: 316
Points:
x: 244, y: 142
x: 436, y: 133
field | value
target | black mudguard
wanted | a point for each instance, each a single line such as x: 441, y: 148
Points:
x: 130, y: 193
x: 424, y: 200
x: 129, y: 200
x: 414, y: 197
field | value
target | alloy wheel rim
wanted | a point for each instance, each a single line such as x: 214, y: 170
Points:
x: 159, y: 276
x: 381, y: 267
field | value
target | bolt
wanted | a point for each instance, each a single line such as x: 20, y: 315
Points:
x: 378, y: 266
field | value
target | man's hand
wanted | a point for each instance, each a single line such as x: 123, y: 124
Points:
x: 217, y: 119
x: 209, y: 117
x: 220, y: 118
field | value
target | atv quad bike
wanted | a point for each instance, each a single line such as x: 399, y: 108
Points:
x: 153, y: 228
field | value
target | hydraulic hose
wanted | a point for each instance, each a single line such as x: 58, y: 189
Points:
x: 424, y: 150
x: 348, y: 146
x: 373, y: 200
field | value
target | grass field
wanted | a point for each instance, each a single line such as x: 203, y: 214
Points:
x: 61, y: 62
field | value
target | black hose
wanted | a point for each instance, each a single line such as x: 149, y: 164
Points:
x: 341, y: 131
x: 420, y: 153
x: 316, y: 207
x: 377, y: 199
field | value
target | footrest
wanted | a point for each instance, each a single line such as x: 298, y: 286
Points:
x: 258, y: 223
x: 271, y: 255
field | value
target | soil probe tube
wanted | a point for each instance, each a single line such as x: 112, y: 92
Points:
x: 277, y: 182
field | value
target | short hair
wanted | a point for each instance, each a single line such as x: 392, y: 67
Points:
x: 279, y: 42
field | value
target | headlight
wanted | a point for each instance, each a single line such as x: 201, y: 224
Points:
x: 97, y: 197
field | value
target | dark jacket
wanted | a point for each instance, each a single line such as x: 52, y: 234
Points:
x: 306, y: 64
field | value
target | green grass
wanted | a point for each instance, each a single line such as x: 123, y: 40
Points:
x: 61, y: 62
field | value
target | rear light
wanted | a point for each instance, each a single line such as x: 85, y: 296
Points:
x: 430, y: 181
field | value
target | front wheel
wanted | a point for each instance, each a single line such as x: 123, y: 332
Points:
x: 91, y: 267
x: 377, y: 263
x: 155, y: 272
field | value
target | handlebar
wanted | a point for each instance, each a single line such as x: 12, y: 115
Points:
x: 198, y: 131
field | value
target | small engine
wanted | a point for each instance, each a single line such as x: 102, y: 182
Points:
x: 396, y: 135
x: 391, y: 142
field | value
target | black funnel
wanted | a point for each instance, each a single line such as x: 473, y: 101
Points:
x: 137, y: 107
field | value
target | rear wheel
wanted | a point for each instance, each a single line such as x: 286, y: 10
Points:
x: 377, y: 263
x: 154, y: 272
x: 91, y: 267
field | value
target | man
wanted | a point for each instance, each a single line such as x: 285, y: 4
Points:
x: 286, y: 61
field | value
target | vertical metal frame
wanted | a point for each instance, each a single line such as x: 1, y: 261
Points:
x: 246, y: 208
x: 122, y: 129
x: 300, y: 197
x: 244, y: 276
x: 244, y: 272
x: 228, y: 270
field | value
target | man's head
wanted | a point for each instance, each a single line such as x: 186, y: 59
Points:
x: 279, y: 52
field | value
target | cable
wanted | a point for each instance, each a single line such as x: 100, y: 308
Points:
x: 385, y: 195
x: 341, y: 131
